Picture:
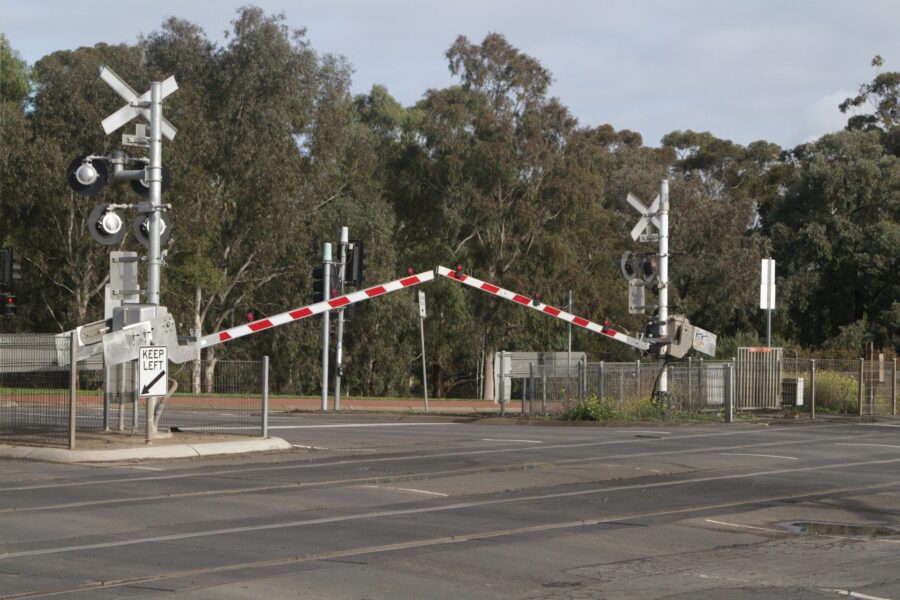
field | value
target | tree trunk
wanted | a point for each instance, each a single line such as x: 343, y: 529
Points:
x: 198, y: 331
x: 489, y: 375
x: 209, y: 372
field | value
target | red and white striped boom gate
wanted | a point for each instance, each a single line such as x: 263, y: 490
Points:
x: 543, y: 308
x: 314, y: 309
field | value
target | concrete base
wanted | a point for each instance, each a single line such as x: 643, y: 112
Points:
x: 146, y: 452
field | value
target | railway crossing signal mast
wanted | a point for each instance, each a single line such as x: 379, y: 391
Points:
x: 134, y: 326
x: 672, y: 336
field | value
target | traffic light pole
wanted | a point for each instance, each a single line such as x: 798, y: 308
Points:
x: 663, y: 280
x: 326, y: 291
x: 339, y: 344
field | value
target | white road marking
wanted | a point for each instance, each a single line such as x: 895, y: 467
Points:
x: 388, y: 459
x: 745, y: 526
x: 399, y: 489
x: 871, y: 445
x: 511, y: 440
x: 857, y: 595
x: 349, y: 425
x: 881, y: 424
x: 644, y: 431
x: 497, y: 502
x: 761, y: 455
x: 148, y: 468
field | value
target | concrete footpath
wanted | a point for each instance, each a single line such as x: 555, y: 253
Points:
x: 115, y: 450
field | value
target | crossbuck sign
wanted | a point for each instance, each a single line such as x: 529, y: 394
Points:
x: 137, y: 105
x: 648, y: 215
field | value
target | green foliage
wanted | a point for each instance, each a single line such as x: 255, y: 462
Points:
x: 836, y: 392
x: 608, y: 409
x: 274, y: 154
x: 14, y: 84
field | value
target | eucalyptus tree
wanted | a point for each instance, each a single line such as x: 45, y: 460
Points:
x: 46, y: 221
x: 492, y: 183
x: 837, y: 230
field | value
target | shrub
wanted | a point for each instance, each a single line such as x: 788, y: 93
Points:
x: 836, y: 392
x: 608, y: 409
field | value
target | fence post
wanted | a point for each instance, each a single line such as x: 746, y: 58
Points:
x: 700, y: 382
x: 894, y: 387
x: 73, y: 385
x: 859, y: 390
x: 524, y: 393
x: 502, y: 383
x: 581, y: 385
x: 812, y: 389
x: 265, y: 396
x: 544, y: 391
x: 689, y: 386
x: 531, y: 389
x: 729, y: 393
x: 601, y: 381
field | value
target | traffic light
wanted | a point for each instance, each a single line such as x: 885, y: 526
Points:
x: 358, y: 263
x: 318, y: 283
x: 9, y: 304
x: 12, y: 269
x: 639, y: 266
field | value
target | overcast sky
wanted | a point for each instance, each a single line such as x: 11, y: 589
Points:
x: 742, y: 69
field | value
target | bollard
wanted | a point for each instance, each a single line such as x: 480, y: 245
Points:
x: 812, y: 389
x: 859, y: 389
x: 729, y: 393
x: 73, y: 385
x: 265, y: 397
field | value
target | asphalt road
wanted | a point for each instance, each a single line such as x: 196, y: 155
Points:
x: 367, y: 507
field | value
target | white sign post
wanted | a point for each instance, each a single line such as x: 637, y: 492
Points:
x: 422, y: 316
x: 767, y: 294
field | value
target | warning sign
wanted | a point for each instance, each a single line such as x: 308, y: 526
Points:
x: 152, y: 366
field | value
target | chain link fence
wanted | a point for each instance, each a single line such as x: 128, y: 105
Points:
x: 40, y: 405
x: 850, y: 387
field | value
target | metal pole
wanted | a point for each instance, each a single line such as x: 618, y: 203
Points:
x: 148, y: 418
x: 424, y: 372
x: 569, y: 351
x: 769, y: 284
x: 265, y: 396
x: 531, y: 389
x: 690, y: 391
x: 569, y: 346
x: 134, y: 396
x: 544, y: 391
x: 326, y: 291
x: 859, y: 391
x: 73, y: 385
x: 663, y: 279
x: 729, y: 393
x: 524, y: 394
x: 502, y: 383
x: 339, y: 343
x: 107, y: 391
x: 812, y: 389
x: 154, y: 172
x: 894, y: 387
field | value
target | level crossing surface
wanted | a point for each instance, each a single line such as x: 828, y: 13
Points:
x: 383, y: 506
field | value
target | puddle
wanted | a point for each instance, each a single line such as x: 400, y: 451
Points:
x: 841, y: 529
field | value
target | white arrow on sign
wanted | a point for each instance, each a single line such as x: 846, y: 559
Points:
x: 135, y: 102
x: 648, y: 214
